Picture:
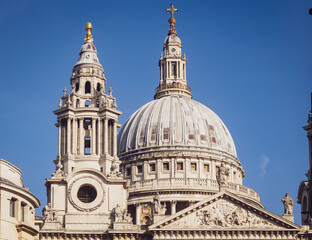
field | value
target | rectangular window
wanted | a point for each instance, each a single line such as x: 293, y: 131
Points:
x: 140, y: 168
x: 193, y: 166
x: 165, y: 166
x: 12, y: 207
x: 152, y: 167
x: 174, y: 69
x: 180, y: 166
x: 206, y: 167
x: 128, y: 171
x: 87, y: 146
x: 22, y: 217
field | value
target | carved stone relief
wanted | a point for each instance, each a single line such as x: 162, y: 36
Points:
x: 223, y: 214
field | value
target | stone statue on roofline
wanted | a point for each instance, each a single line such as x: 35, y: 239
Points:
x: 222, y: 176
x: 288, y: 205
x: 158, y: 207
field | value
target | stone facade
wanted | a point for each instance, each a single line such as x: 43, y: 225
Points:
x: 17, y: 215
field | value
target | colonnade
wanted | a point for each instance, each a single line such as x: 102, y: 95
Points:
x: 76, y: 134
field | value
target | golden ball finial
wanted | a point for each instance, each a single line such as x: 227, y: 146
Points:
x: 88, y: 26
x: 88, y: 34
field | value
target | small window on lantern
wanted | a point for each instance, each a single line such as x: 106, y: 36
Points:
x: 174, y: 69
x: 88, y: 87
x: 77, y: 87
x: 98, y: 87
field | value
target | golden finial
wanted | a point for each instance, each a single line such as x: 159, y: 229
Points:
x: 88, y: 34
x: 172, y: 20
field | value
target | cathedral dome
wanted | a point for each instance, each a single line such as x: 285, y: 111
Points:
x: 175, y: 121
x: 174, y: 146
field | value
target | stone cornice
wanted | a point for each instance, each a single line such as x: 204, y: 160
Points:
x: 22, y: 227
x: 23, y: 192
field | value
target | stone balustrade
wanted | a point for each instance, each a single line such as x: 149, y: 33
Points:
x: 190, y: 184
x: 172, y: 85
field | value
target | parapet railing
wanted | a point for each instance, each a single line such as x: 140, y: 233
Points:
x: 172, y: 85
x: 192, y: 184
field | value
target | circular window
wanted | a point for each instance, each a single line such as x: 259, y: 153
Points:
x: 86, y: 194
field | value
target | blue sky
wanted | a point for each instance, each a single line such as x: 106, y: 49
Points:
x: 248, y: 61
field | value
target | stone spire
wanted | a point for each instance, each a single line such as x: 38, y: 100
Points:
x: 172, y: 64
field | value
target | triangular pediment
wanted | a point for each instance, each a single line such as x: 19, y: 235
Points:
x: 224, y: 210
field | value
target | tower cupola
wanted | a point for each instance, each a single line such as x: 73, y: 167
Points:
x: 87, y: 116
x: 172, y: 64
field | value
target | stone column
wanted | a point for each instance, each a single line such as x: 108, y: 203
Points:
x: 105, y: 136
x: 68, y: 136
x: 59, y: 125
x: 99, y: 136
x: 74, y: 150
x: 133, y: 173
x: 172, y: 168
x: 213, y: 170
x: 158, y: 168
x: 138, y: 213
x: 115, y: 139
x: 145, y: 170
x: 81, y: 138
x: 161, y: 72
x: 93, y: 136
x: 173, y: 207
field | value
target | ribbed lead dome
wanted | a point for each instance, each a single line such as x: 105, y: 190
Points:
x: 175, y: 121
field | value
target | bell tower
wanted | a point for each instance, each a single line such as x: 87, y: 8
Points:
x: 87, y: 185
x: 87, y: 118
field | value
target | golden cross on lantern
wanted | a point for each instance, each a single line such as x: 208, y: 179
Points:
x: 172, y: 10
x: 172, y: 20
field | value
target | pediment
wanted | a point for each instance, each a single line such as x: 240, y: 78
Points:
x: 224, y: 210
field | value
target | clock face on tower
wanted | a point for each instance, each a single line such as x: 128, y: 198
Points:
x: 86, y: 193
x: 173, y: 50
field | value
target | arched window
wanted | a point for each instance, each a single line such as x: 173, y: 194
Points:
x: 88, y: 87
x: 77, y: 103
x: 77, y: 87
x: 98, y: 87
